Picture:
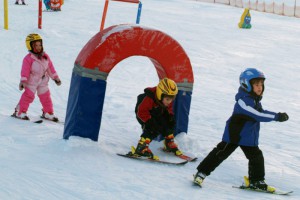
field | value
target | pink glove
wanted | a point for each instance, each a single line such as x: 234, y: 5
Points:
x: 22, y: 86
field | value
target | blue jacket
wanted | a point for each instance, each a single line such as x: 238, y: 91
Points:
x: 243, y: 126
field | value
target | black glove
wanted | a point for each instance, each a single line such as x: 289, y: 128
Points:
x: 22, y: 86
x: 57, y: 81
x: 281, y: 117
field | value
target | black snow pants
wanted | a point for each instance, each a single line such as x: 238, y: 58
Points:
x: 256, y: 167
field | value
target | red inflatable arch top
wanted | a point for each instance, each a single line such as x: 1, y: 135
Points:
x: 116, y: 43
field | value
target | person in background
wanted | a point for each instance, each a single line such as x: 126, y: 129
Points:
x: 17, y: 2
x: 55, y: 5
x: 47, y: 4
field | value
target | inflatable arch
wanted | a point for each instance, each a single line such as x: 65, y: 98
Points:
x: 99, y: 56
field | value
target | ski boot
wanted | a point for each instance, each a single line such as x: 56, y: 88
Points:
x: 260, y: 185
x: 171, y: 146
x: 143, y: 149
x: 21, y: 115
x: 199, y: 178
x: 49, y: 116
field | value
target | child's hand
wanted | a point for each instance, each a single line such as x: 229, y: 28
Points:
x: 57, y: 81
x: 281, y: 117
x: 22, y: 86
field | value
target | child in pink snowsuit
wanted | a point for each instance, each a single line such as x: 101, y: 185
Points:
x: 37, y: 68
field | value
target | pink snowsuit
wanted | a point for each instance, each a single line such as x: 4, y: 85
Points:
x: 35, y: 74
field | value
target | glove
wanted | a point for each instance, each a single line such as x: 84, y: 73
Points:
x: 22, y: 86
x: 57, y: 81
x: 281, y: 117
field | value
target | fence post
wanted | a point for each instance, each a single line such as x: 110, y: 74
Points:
x: 104, y: 15
x: 295, y: 8
x: 127, y: 1
x: 40, y: 15
x: 138, y: 17
x: 5, y: 15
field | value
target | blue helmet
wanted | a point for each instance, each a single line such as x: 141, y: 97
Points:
x: 249, y: 74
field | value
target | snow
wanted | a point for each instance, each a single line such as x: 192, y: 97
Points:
x: 36, y: 163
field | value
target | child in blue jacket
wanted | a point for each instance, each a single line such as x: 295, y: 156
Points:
x: 47, y: 4
x: 242, y: 130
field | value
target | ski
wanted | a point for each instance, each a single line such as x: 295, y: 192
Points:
x: 188, y: 158
x: 35, y: 121
x: 38, y: 121
x: 183, y: 156
x: 55, y: 121
x: 137, y: 157
x: 51, y: 10
x: 276, y: 192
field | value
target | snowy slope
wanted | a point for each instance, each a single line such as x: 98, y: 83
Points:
x: 36, y: 163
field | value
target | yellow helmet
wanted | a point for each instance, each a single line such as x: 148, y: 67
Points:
x: 31, y: 38
x: 167, y: 87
